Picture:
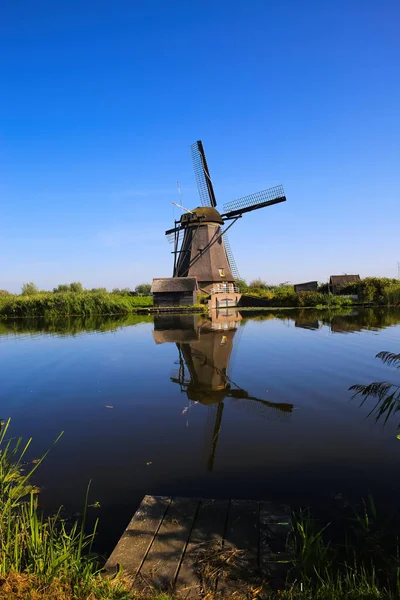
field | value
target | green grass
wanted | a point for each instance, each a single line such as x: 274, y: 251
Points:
x: 71, y: 304
x: 301, y: 300
x: 43, y: 557
x: 356, y: 556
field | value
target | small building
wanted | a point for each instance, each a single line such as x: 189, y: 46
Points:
x: 174, y: 291
x: 309, y: 286
x: 338, y: 282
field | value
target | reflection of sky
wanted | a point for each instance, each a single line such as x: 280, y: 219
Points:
x: 50, y: 384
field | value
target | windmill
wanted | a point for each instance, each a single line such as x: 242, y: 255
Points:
x: 201, y: 248
x: 204, y: 348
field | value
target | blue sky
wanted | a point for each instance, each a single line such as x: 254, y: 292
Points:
x: 102, y: 100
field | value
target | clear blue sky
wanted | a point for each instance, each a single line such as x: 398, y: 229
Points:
x: 101, y: 101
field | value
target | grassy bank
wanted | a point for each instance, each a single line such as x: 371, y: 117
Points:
x: 71, y: 304
x: 43, y: 557
x: 355, y: 556
x: 73, y: 300
x: 377, y: 291
x: 301, y: 300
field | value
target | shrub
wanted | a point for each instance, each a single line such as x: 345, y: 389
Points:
x: 391, y: 294
x: 123, y: 292
x: 143, y: 289
x: 76, y: 287
x: 242, y: 285
x: 28, y: 289
x: 61, y: 288
x: 258, y: 284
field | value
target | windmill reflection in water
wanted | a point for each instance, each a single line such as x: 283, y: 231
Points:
x: 205, y: 347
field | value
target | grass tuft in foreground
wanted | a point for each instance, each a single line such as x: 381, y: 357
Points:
x: 43, y: 557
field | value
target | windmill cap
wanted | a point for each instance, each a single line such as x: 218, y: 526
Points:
x: 207, y: 214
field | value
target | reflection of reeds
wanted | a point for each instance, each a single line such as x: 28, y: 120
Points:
x: 70, y: 326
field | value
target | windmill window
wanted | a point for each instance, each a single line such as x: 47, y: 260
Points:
x: 221, y: 272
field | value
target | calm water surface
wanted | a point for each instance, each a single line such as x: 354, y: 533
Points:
x: 240, y: 405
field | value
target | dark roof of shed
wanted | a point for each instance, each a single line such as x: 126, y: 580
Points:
x: 343, y: 279
x: 174, y: 284
x: 306, y: 283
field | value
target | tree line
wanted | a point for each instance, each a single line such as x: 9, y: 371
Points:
x: 31, y: 289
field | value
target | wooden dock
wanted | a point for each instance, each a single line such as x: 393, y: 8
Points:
x: 200, y: 547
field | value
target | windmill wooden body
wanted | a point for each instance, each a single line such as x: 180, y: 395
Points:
x: 202, y: 251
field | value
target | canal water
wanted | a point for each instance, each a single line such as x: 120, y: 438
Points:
x: 240, y: 405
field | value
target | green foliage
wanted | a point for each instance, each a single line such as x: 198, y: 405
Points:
x: 101, y: 290
x: 38, y: 551
x: 143, y: 289
x: 29, y: 289
x: 5, y: 293
x: 387, y: 394
x: 76, y: 287
x: 69, y: 304
x: 354, y: 556
x: 122, y: 292
x: 371, y: 290
x: 377, y: 290
x: 258, y: 284
x: 242, y: 285
x: 391, y: 294
x: 61, y: 288
x: 285, y: 297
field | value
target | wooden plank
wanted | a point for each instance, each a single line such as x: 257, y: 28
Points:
x: 275, y: 527
x: 194, y: 581
x: 138, y: 537
x: 163, y: 560
x: 240, y: 549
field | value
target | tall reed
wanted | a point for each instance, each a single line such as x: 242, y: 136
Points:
x: 39, y: 552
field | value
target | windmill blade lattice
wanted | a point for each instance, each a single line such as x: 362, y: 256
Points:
x: 203, y: 179
x: 231, y: 258
x: 171, y: 236
x: 253, y: 201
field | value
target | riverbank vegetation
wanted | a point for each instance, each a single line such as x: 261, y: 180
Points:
x: 73, y: 300
x: 378, y: 291
x: 43, y: 557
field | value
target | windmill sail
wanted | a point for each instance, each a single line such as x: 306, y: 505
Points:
x: 170, y: 235
x: 267, y: 197
x: 203, y: 179
x: 231, y: 258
